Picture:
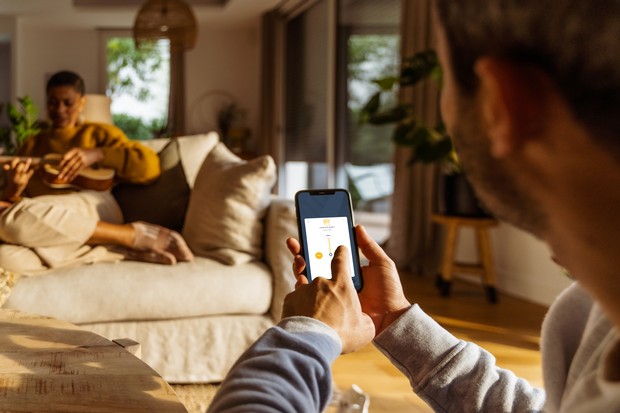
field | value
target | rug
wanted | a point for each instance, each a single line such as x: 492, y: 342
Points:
x: 195, y: 397
x: 7, y: 282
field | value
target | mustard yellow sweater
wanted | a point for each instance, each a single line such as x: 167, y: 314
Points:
x: 132, y: 161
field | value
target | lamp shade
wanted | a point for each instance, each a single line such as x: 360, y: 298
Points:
x: 97, y: 109
x: 166, y: 19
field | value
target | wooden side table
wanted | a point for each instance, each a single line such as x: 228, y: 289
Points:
x: 484, y: 266
x: 48, y: 365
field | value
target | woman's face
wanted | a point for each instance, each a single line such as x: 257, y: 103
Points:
x: 64, y: 104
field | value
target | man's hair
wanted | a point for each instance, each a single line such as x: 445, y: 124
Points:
x: 575, y: 42
x: 66, y: 78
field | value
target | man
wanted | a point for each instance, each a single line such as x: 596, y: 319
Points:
x: 531, y: 96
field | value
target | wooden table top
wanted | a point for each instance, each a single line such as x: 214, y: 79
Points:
x: 48, y: 365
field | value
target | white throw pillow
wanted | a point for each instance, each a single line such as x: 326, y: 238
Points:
x: 227, y: 206
x: 193, y: 151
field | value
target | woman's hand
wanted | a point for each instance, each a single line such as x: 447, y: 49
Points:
x: 382, y: 298
x: 76, y: 160
x: 18, y: 173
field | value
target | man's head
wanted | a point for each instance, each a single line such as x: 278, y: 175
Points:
x: 522, y: 47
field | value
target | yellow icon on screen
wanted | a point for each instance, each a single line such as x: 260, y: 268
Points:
x: 318, y: 255
x: 325, y: 221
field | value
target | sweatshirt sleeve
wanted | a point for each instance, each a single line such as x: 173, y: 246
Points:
x: 451, y: 374
x: 288, y: 369
x: 132, y: 161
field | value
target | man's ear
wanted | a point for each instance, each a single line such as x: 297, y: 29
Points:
x: 512, y: 100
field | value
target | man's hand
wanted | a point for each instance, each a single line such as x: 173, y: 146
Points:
x: 382, y: 297
x: 18, y: 174
x: 76, y: 160
x: 333, y: 302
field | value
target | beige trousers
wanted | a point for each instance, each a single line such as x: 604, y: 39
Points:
x: 51, y: 231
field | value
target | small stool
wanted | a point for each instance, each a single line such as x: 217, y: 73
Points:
x: 484, y: 267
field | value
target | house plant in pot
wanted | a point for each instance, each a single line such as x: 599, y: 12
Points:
x: 429, y: 144
x: 24, y: 123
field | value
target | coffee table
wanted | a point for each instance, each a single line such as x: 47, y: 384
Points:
x: 48, y: 365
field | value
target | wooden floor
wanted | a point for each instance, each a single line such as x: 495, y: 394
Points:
x: 508, y: 329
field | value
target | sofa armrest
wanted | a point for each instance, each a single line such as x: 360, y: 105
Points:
x: 280, y: 224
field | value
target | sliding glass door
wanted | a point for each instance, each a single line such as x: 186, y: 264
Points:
x: 334, y: 49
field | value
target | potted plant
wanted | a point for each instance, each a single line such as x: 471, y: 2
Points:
x: 24, y: 123
x: 429, y: 144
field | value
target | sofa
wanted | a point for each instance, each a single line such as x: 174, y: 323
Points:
x: 192, y: 319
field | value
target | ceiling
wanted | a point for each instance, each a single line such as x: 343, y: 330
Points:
x: 121, y: 13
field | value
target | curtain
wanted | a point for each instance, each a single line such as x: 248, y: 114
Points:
x: 414, y: 242
x: 268, y: 139
x: 176, y: 102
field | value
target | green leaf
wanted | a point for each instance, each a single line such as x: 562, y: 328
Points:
x: 418, y: 67
x: 432, y: 151
x: 403, y: 133
x: 421, y: 135
x: 395, y: 114
x: 386, y: 83
x: 23, y: 118
x: 371, y: 107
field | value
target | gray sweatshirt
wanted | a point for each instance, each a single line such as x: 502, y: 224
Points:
x: 288, y: 368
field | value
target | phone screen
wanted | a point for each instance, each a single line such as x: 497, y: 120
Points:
x: 325, y: 222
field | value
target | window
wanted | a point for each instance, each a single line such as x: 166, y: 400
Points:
x: 334, y: 49
x: 307, y: 100
x: 138, y: 81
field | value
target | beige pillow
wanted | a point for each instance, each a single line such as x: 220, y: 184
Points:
x: 226, y: 207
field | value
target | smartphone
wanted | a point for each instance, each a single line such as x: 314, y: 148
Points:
x: 325, y: 221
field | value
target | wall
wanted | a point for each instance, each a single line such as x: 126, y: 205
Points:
x: 5, y: 71
x: 7, y: 34
x: 42, y: 51
x: 224, y: 59
x: 523, y: 264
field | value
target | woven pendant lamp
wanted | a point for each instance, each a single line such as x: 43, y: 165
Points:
x: 166, y: 19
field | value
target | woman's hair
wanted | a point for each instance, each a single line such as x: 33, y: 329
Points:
x: 66, y: 78
x: 574, y: 41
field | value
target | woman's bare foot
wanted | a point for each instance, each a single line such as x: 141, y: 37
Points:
x: 162, y: 243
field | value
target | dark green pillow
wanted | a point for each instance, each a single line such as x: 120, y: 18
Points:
x: 162, y: 202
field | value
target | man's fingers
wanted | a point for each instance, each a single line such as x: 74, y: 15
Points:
x: 369, y: 246
x: 293, y: 246
x: 299, y: 265
x: 340, y: 265
x: 301, y: 280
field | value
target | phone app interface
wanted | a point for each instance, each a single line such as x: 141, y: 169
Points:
x: 324, y: 235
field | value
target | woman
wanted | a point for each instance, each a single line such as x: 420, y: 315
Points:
x: 43, y: 227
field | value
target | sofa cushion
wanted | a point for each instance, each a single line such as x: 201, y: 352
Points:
x: 131, y: 290
x: 227, y: 205
x: 194, y: 149
x: 163, y: 202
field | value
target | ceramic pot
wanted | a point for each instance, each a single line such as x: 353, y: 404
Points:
x: 459, y: 198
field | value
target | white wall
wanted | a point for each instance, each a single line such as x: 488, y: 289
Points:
x: 228, y: 60
x: 523, y: 264
x: 41, y: 52
x: 224, y: 59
